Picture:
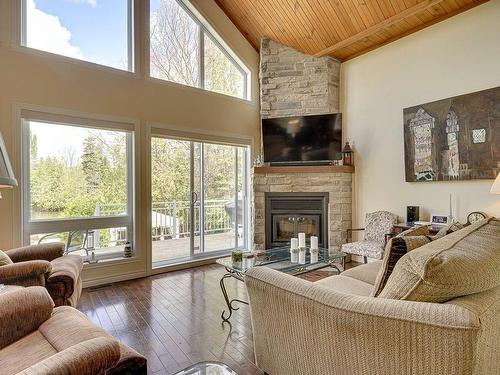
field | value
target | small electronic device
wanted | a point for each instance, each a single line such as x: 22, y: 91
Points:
x: 412, y: 214
x: 439, y: 220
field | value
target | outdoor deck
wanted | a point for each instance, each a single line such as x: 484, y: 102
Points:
x: 164, y: 250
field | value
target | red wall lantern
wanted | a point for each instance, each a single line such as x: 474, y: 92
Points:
x: 347, y: 155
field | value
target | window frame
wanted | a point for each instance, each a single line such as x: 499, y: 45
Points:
x: 131, y: 39
x: 57, y: 225
x: 204, y: 29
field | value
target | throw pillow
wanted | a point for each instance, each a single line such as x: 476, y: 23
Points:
x: 396, y: 248
x: 422, y: 230
x: 448, y: 229
x: 4, y: 259
x: 461, y: 263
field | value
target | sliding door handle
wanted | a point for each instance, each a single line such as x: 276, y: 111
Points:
x: 194, y: 197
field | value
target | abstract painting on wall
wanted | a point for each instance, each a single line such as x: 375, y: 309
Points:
x: 453, y: 139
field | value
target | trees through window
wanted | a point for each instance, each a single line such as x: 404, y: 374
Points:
x: 183, y: 50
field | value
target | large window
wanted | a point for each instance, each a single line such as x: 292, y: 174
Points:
x: 99, y: 31
x: 199, y: 199
x: 184, y: 50
x: 77, y: 187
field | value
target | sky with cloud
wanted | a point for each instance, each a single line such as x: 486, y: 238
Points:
x: 91, y: 30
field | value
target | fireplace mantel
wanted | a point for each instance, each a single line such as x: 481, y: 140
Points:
x: 305, y: 169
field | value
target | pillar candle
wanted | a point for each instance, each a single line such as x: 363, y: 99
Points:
x: 294, y: 243
x: 302, y: 256
x: 302, y: 240
x: 314, y: 242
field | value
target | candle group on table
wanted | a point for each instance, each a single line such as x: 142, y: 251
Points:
x: 298, y: 249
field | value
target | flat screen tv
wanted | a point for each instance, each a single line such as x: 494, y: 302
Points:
x: 304, y: 139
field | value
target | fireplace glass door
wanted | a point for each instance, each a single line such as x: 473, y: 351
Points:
x: 286, y: 227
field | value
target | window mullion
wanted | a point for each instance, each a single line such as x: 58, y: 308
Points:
x: 202, y: 56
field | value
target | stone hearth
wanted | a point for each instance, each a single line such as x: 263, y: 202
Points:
x: 337, y: 185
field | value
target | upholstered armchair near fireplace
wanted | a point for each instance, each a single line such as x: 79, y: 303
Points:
x: 44, y: 265
x: 378, y: 225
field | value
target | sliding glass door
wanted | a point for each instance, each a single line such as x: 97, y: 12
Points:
x: 199, y: 199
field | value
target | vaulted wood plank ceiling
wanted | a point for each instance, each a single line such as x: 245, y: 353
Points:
x: 339, y: 28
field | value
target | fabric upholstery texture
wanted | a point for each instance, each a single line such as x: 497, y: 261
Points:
x: 422, y: 230
x: 461, y: 263
x: 89, y: 357
x: 29, y: 273
x: 365, y: 335
x: 367, y: 248
x: 377, y: 225
x: 448, y: 229
x: 33, y: 347
x: 38, y: 340
x: 344, y: 284
x: 366, y: 272
x: 4, y: 259
x: 44, y: 251
x: 63, y: 283
x: 396, y: 248
x: 21, y: 312
x: 45, y: 265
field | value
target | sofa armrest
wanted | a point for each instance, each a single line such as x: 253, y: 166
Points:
x: 44, y: 251
x: 315, y: 327
x: 22, y: 312
x: 29, y: 273
x: 90, y: 357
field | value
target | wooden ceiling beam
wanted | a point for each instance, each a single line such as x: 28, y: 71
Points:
x: 415, y: 29
x: 378, y: 27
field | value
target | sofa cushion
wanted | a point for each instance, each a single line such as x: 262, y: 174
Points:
x: 4, y: 259
x: 68, y: 326
x: 396, y: 248
x: 448, y: 229
x: 25, y: 352
x: 366, y: 272
x: 347, y: 285
x: 462, y: 263
x: 422, y: 230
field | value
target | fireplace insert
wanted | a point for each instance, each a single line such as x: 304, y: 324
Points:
x: 287, y: 214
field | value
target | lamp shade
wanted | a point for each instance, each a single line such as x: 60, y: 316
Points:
x: 7, y: 178
x: 495, y: 189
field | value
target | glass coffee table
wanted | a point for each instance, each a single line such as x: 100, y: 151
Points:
x: 278, y: 259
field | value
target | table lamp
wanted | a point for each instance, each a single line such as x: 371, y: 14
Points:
x: 495, y: 189
x: 7, y: 178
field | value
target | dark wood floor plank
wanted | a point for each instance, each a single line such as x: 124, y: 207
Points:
x: 174, y: 319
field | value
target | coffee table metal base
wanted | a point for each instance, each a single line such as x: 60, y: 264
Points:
x: 236, y: 275
x: 239, y: 276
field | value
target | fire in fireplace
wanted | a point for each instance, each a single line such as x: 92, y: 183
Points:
x: 287, y: 214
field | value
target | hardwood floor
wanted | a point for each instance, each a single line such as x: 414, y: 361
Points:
x: 174, y: 319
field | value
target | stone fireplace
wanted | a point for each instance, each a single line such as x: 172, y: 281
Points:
x: 295, y: 84
x: 307, y: 199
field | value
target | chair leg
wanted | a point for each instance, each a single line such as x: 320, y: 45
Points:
x: 365, y: 259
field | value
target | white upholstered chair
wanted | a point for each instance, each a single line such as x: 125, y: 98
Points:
x: 378, y: 225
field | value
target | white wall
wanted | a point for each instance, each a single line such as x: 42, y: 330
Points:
x: 458, y: 56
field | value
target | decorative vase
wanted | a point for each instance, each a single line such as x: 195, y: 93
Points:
x: 127, y: 250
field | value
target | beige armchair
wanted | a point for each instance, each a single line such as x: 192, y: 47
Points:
x: 45, y: 265
x: 37, y: 339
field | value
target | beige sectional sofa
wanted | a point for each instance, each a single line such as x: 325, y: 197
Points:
x: 334, y: 326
